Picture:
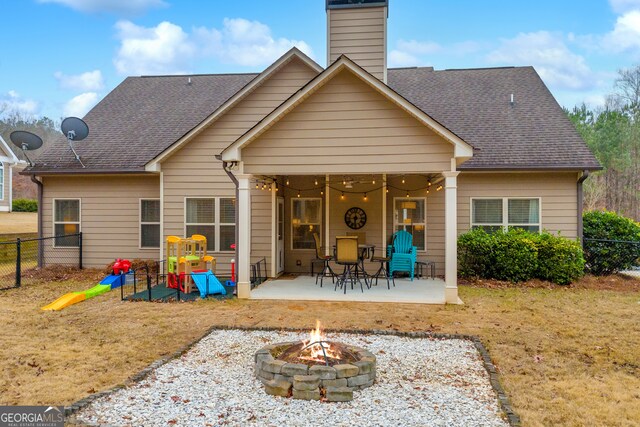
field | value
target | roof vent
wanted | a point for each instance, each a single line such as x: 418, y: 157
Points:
x: 512, y: 101
x: 189, y: 80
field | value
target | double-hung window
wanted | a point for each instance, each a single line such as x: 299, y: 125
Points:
x: 306, y: 219
x: 66, y: 222
x: 495, y: 214
x: 213, y: 218
x: 410, y: 214
x: 1, y: 181
x: 149, y: 223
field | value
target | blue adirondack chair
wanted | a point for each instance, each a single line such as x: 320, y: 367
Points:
x: 402, y: 253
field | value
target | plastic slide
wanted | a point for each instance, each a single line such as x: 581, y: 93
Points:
x: 114, y: 280
x: 65, y: 301
x: 208, y: 284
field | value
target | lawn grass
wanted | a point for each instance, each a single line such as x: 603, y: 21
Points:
x: 18, y: 222
x: 566, y: 356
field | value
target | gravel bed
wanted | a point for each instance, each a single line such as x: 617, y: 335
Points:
x: 419, y: 382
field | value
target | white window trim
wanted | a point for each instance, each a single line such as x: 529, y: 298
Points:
x: 291, y: 221
x: 140, y: 224
x: 396, y: 224
x: 216, y: 224
x: 2, y: 184
x: 53, y: 217
x: 505, y: 213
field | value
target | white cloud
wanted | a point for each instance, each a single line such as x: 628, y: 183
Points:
x: 89, y: 81
x: 168, y: 49
x: 246, y: 43
x: 118, y: 7
x: 80, y: 105
x: 12, y: 102
x: 164, y: 49
x: 626, y: 33
x: 398, y: 58
x: 557, y: 65
x: 417, y: 47
x: 622, y: 6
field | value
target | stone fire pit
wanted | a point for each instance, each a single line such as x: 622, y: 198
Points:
x: 291, y: 369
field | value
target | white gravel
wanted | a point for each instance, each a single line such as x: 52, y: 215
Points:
x: 419, y: 382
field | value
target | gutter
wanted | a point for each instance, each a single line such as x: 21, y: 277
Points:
x: 225, y: 167
x: 40, y: 214
x: 585, y: 175
x: 87, y: 172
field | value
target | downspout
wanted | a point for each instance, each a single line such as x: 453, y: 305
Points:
x: 585, y: 175
x: 225, y: 166
x: 40, y: 209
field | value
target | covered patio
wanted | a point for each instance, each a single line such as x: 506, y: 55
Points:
x: 304, y: 288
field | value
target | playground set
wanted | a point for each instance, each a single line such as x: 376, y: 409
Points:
x: 187, y: 264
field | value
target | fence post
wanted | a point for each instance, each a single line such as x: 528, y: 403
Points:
x: 18, y: 262
x: 80, y: 250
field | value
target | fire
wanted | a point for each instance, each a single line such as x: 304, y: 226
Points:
x: 316, y: 336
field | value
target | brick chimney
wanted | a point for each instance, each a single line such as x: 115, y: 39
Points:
x: 358, y: 29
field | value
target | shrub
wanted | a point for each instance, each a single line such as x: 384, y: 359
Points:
x: 518, y: 256
x: 612, y: 242
x: 24, y: 205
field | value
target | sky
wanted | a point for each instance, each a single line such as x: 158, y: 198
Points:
x: 60, y: 57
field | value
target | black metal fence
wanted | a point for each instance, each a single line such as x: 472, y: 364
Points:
x: 611, y: 256
x: 30, y: 260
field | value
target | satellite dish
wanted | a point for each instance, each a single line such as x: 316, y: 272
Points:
x: 26, y: 141
x: 74, y: 129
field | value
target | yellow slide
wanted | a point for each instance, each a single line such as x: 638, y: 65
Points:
x: 65, y: 301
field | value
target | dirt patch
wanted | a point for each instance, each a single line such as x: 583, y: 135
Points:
x: 18, y: 223
x: 614, y: 282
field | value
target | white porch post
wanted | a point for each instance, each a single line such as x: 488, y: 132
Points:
x: 451, y: 237
x: 243, y: 262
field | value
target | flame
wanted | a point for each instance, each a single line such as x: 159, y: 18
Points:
x: 316, y: 336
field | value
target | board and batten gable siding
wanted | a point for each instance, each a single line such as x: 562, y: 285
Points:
x: 347, y: 127
x: 109, y: 216
x: 5, y: 204
x: 557, y: 191
x: 360, y: 34
x: 193, y: 170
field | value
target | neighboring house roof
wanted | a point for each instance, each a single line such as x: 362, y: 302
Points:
x: 533, y: 133
x: 6, y: 153
x: 461, y: 148
x: 144, y: 116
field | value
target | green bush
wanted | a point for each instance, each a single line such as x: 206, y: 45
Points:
x: 612, y: 242
x: 518, y: 256
x: 24, y: 205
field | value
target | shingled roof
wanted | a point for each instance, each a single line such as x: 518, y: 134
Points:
x: 139, y: 119
x: 144, y: 116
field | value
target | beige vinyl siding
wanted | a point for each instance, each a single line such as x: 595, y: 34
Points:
x: 109, y: 216
x: 347, y: 127
x: 359, y: 34
x: 557, y: 192
x: 194, y: 172
x: 6, y: 180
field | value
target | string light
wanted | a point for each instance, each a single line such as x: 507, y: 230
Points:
x: 277, y: 187
x: 439, y: 188
x: 257, y: 186
x: 287, y: 182
x: 316, y: 181
x: 429, y: 183
x: 321, y: 193
x: 427, y: 191
x: 365, y: 197
x: 373, y: 181
x: 264, y: 186
x: 342, y: 196
x: 344, y: 181
x: 403, y: 179
x: 407, y: 194
x: 298, y: 193
x: 387, y: 190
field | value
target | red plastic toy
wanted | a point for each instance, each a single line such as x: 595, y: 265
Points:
x: 121, y: 266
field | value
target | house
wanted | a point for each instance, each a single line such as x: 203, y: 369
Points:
x: 265, y: 160
x: 8, y: 160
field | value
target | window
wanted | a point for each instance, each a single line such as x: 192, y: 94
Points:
x: 150, y: 223
x: 1, y: 181
x: 410, y: 214
x: 66, y: 221
x: 306, y: 219
x: 214, y: 218
x: 501, y: 213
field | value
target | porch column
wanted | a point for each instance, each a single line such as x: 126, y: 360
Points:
x: 243, y: 262
x: 451, y: 237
